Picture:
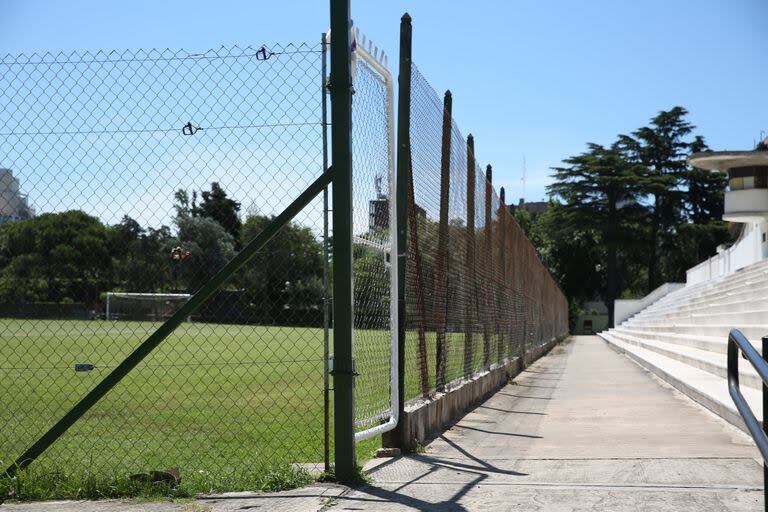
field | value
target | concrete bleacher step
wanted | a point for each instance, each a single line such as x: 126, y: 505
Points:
x: 711, y: 362
x: 683, y: 337
x: 703, y: 387
x: 756, y: 291
x: 744, y: 300
x: 748, y: 300
x: 754, y: 316
x: 716, y: 344
x: 755, y: 331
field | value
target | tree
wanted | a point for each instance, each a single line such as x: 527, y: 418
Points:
x: 571, y: 252
x: 523, y: 217
x: 285, y: 277
x: 217, y: 206
x: 210, y: 248
x: 601, y: 188
x: 55, y: 257
x: 661, y: 149
x: 702, y: 229
x: 140, y: 261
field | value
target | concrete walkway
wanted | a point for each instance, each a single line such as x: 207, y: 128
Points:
x: 584, y: 428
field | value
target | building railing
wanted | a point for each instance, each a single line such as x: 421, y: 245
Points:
x: 745, y: 251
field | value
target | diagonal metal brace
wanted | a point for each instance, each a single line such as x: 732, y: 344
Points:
x: 162, y: 332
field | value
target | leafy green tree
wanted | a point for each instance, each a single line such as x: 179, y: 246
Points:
x: 661, y: 148
x: 523, y: 217
x: 704, y: 203
x: 210, y: 247
x: 55, y: 257
x: 572, y: 253
x: 600, y: 188
x: 218, y: 206
x: 285, y: 277
x: 140, y: 260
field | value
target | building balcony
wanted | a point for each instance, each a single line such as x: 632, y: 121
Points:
x: 748, y: 205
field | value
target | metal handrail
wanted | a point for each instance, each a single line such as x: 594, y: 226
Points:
x: 738, y: 343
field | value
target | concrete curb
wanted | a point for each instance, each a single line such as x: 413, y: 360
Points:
x: 425, y: 419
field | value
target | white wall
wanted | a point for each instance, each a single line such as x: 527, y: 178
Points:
x: 748, y: 249
x: 625, y: 308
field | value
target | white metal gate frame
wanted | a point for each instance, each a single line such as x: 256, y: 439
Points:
x: 376, y: 59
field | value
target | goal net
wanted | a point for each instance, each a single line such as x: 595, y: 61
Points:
x: 152, y: 307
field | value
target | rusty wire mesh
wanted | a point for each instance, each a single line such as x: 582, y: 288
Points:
x: 477, y: 294
x: 143, y: 172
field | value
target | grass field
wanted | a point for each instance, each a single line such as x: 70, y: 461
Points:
x: 233, y: 406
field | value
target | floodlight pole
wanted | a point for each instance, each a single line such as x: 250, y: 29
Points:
x: 341, y: 153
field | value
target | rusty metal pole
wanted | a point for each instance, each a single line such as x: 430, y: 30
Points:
x: 471, y: 287
x: 418, y: 285
x: 441, y: 284
x: 488, y: 276
x: 395, y: 438
x: 501, y: 314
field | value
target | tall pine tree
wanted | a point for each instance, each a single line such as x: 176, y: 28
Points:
x: 600, y: 188
x: 661, y: 148
x: 217, y: 206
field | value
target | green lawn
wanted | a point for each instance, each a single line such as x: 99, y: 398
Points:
x: 233, y: 406
x: 226, y: 403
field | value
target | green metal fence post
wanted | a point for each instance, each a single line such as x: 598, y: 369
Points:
x: 326, y: 267
x: 341, y: 154
x: 395, y: 438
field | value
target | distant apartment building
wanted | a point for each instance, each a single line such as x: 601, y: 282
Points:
x: 13, y: 204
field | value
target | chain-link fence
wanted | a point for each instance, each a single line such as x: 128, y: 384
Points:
x: 372, y: 214
x: 476, y: 292
x: 128, y: 179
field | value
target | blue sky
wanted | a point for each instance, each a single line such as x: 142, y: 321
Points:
x: 534, y: 79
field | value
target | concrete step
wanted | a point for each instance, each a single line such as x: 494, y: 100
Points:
x: 759, y: 316
x: 757, y: 293
x: 723, y: 304
x: 715, y: 330
x: 711, y: 362
x: 716, y: 344
x: 732, y: 287
x: 754, y: 275
x: 705, y: 388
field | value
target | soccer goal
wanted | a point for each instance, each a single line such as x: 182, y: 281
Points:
x: 151, y: 307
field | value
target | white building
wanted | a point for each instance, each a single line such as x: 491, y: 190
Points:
x: 13, y: 204
x: 746, y: 202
